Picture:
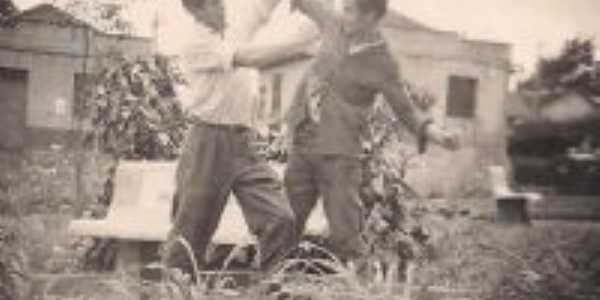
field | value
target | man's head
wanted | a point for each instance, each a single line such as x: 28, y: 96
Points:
x: 360, y: 15
x: 208, y: 12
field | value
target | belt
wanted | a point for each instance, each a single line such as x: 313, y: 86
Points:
x: 230, y: 127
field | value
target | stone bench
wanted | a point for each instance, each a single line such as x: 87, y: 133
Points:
x: 141, y: 210
x: 140, y: 213
x: 511, y: 207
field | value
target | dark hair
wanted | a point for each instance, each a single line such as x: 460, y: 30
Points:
x: 209, y: 12
x: 193, y: 6
x: 379, y: 7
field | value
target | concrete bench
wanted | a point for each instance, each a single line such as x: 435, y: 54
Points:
x: 511, y: 207
x: 140, y: 214
x: 141, y: 210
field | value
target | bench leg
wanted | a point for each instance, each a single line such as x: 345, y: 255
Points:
x: 129, y: 263
x: 129, y: 259
x: 512, y: 211
x: 132, y: 257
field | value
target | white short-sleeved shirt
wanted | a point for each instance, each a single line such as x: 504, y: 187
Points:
x: 223, y: 96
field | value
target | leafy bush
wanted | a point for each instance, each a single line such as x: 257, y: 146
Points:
x: 574, y: 69
x: 555, y: 260
x: 39, y: 190
x: 134, y: 111
x: 14, y: 275
x: 394, y: 210
x: 43, y: 181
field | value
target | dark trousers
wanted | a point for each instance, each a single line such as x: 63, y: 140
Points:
x: 337, y: 179
x: 217, y: 160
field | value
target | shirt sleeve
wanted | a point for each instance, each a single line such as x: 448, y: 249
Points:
x: 380, y: 71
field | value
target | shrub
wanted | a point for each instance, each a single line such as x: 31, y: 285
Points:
x: 555, y: 260
x: 14, y: 276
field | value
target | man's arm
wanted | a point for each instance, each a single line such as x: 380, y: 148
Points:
x: 420, y: 124
x: 285, y: 48
x: 381, y: 72
x: 395, y: 94
x: 212, y: 54
x: 319, y: 11
x: 260, y: 55
x: 220, y: 56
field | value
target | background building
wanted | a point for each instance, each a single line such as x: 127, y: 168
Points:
x: 43, y: 62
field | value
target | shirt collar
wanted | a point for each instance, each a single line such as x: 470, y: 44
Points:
x: 365, y: 43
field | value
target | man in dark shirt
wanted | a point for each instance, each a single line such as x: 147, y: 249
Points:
x: 330, y: 109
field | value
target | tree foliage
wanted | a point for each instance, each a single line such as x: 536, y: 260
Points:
x: 14, y: 276
x: 106, y: 16
x: 574, y: 69
x: 7, y: 11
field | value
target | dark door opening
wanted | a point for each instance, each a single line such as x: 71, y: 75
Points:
x: 13, y: 108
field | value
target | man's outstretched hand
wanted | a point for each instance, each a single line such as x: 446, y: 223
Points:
x: 447, y: 139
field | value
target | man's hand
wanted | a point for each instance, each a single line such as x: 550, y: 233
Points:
x: 444, y: 138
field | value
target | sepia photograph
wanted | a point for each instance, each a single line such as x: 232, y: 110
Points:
x: 299, y: 150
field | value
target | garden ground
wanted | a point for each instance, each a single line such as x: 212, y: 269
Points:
x: 471, y: 260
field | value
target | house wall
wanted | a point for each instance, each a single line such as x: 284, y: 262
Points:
x: 50, y: 86
x: 52, y: 55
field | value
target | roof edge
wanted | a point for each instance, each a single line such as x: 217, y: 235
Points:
x: 27, y: 15
x: 72, y: 20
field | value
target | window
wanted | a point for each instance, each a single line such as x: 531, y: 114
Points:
x: 13, y: 108
x: 80, y: 92
x: 462, y: 97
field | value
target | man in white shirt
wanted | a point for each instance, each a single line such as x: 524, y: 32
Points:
x: 219, y: 156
